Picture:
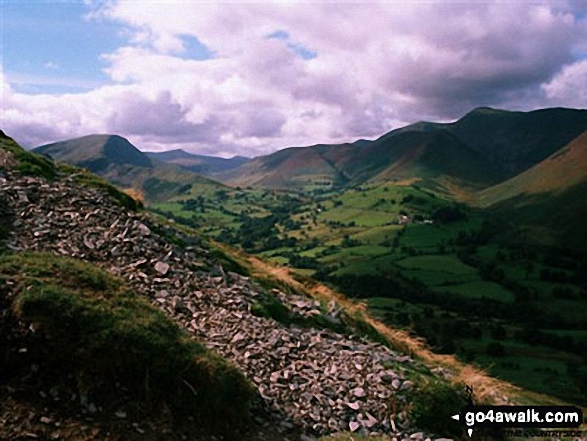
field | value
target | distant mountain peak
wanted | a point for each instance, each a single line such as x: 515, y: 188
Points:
x: 96, y: 151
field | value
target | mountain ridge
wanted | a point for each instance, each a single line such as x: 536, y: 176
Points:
x: 117, y: 160
x: 492, y: 145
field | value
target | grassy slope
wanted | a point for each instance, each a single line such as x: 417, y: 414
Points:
x: 432, y: 156
x: 291, y: 168
x: 484, y: 147
x: 563, y: 169
x: 424, y: 254
x: 487, y: 388
x: 92, y: 323
x: 515, y: 141
x: 549, y: 195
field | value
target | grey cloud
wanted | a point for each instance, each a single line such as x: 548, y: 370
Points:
x: 162, y: 119
x: 260, y: 122
x: 32, y: 134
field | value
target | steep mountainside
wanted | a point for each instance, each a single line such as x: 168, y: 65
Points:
x: 550, y: 194
x: 204, y: 165
x: 294, y: 167
x: 483, y: 148
x: 117, y: 160
x: 430, y: 156
x: 515, y: 141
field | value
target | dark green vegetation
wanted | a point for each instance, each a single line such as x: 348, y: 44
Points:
x: 118, y: 161
x: 549, y: 195
x: 24, y: 162
x: 86, y: 331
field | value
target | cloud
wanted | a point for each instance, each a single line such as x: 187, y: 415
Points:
x: 263, y: 76
x: 161, y: 118
x: 568, y: 86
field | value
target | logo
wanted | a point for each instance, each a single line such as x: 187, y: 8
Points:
x: 540, y: 417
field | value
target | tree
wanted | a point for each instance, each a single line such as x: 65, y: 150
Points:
x: 495, y: 349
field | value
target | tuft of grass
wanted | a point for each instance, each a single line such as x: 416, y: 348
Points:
x: 28, y: 163
x: 137, y: 195
x: 434, y: 401
x: 89, y: 325
x: 270, y: 307
x: 228, y: 262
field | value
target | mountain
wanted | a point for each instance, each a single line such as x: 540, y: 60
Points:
x: 405, y: 153
x: 481, y: 149
x: 205, y: 165
x: 117, y: 160
x: 515, y: 141
x: 550, y: 195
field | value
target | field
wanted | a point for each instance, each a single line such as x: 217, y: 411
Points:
x: 468, y: 282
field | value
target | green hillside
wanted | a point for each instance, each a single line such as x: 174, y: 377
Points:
x: 117, y: 160
x: 298, y: 167
x: 515, y: 141
x: 549, y: 196
x: 464, y: 279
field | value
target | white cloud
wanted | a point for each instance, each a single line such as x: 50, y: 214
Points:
x: 568, y: 86
x: 378, y: 65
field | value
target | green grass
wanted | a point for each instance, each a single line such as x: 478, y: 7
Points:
x: 534, y: 367
x: 449, y: 264
x: 27, y: 163
x: 433, y: 403
x: 33, y: 164
x: 480, y: 289
x: 90, y: 327
x: 579, y: 334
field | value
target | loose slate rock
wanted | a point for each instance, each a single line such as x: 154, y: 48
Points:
x: 162, y: 268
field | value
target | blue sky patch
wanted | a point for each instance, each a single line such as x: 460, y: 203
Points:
x: 195, y: 49
x: 298, y: 48
x: 51, y: 46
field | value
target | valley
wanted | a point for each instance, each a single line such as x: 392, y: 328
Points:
x: 468, y: 282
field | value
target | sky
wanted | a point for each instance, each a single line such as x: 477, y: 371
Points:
x: 250, y: 77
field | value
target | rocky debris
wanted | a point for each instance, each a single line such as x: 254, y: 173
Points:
x: 306, y: 308
x: 312, y: 379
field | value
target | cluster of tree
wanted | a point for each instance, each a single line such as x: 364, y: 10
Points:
x: 348, y: 242
x: 194, y: 204
x: 257, y: 234
x: 298, y: 261
x: 190, y: 222
x: 449, y: 214
x: 534, y: 336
